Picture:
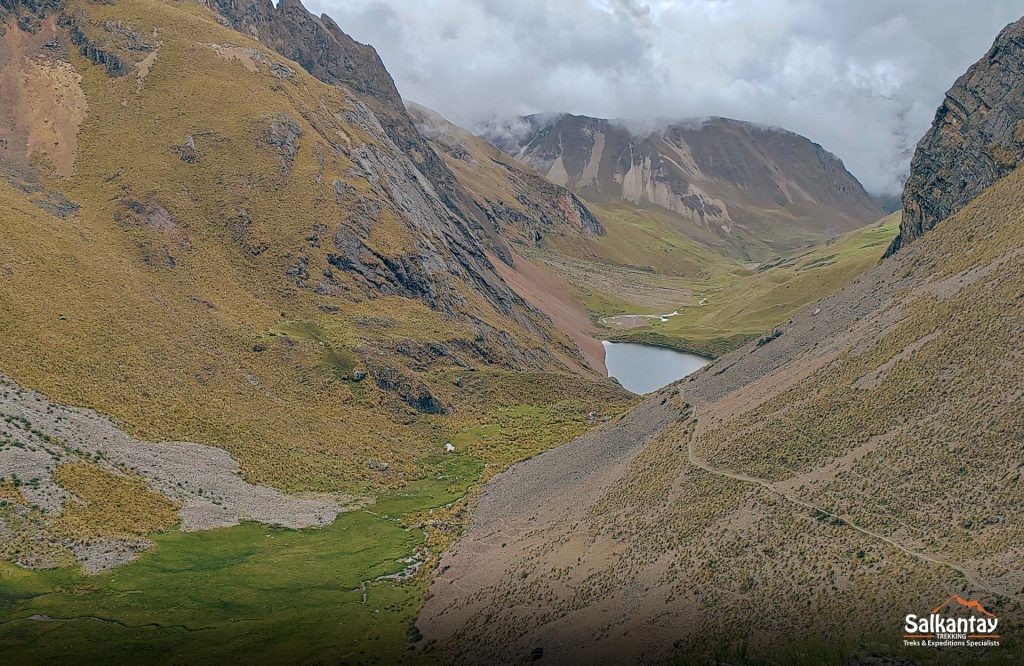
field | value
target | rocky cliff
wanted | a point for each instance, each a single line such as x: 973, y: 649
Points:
x: 751, y: 188
x: 524, y: 205
x: 977, y: 137
x: 328, y: 53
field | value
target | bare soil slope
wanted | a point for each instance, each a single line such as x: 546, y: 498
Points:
x: 860, y: 463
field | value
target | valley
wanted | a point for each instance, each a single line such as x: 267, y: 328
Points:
x: 642, y: 259
x: 786, y: 503
x: 783, y: 469
x: 720, y: 304
x: 295, y: 370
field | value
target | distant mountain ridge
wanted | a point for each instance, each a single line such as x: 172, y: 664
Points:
x: 754, y: 188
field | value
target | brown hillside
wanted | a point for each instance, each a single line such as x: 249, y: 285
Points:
x: 862, y: 458
x: 748, y: 189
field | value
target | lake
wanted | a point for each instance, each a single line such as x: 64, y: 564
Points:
x: 644, y: 368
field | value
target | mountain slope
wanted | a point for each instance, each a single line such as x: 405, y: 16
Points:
x: 866, y: 457
x: 526, y: 205
x: 525, y: 211
x: 205, y: 243
x: 330, y: 55
x: 621, y: 261
x: 753, y: 190
x: 793, y: 500
x: 326, y: 52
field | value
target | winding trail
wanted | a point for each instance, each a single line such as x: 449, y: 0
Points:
x: 767, y: 485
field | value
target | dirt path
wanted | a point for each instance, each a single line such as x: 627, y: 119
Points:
x: 772, y: 488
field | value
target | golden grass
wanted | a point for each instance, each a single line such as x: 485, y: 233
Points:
x: 172, y: 331
x: 107, y: 504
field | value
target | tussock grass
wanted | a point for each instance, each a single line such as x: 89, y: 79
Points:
x: 107, y: 504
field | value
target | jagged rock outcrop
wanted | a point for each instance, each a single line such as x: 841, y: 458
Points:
x: 318, y: 44
x: 521, y: 204
x: 977, y: 137
x: 451, y: 229
x: 27, y: 14
x: 328, y: 53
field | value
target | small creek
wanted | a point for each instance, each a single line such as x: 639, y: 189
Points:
x: 645, y: 368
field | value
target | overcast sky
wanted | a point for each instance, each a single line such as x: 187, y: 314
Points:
x: 861, y: 77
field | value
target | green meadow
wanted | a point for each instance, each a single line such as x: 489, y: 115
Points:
x: 272, y: 594
x: 722, y: 303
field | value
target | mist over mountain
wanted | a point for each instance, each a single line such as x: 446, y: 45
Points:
x: 861, y: 79
x: 755, y: 189
x: 298, y: 370
x: 836, y: 468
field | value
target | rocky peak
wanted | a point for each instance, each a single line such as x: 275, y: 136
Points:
x: 318, y: 44
x: 328, y: 53
x: 977, y: 137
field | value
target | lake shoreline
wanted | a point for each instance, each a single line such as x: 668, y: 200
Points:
x: 642, y: 368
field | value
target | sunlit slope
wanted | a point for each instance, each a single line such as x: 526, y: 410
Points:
x: 752, y: 304
x: 245, y: 259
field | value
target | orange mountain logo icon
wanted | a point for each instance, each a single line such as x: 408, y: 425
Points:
x: 973, y: 604
x: 975, y: 629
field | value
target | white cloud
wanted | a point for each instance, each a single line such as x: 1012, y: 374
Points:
x: 861, y: 78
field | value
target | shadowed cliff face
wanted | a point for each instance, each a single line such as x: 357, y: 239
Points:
x: 977, y: 137
x: 750, y: 188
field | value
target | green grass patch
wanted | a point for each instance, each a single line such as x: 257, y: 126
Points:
x: 509, y: 434
x: 722, y: 310
x: 270, y: 595
x: 334, y: 360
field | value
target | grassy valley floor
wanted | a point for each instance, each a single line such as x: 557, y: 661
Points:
x: 270, y: 594
x: 670, y: 291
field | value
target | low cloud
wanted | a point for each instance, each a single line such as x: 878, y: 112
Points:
x: 861, y: 78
